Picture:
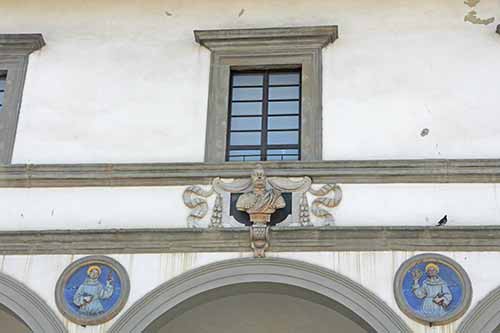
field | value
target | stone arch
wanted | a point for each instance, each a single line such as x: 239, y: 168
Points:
x: 338, y: 288
x: 28, y: 306
x: 485, y: 316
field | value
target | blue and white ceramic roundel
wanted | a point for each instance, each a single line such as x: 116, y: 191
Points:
x: 92, y: 290
x: 432, y: 289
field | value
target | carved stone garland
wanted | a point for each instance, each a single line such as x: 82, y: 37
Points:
x: 260, y: 197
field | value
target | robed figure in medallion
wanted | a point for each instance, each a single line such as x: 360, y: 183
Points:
x: 90, y: 293
x: 434, y: 291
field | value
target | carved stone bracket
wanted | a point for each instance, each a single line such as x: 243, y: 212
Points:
x: 259, y: 239
x: 260, y: 197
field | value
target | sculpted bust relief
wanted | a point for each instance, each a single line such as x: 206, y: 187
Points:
x: 261, y: 202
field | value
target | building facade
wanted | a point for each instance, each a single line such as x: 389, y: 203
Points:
x: 241, y: 166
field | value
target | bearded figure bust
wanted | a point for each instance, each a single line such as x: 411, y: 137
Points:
x: 261, y: 202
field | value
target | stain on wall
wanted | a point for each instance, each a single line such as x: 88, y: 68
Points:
x: 472, y: 15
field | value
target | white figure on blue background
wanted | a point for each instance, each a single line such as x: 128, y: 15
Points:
x: 434, y: 291
x: 90, y: 293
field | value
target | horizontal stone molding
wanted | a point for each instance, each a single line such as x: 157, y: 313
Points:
x: 483, y: 238
x: 267, y: 38
x: 180, y: 174
x: 20, y: 44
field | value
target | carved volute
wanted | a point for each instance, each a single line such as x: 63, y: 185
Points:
x: 260, y: 197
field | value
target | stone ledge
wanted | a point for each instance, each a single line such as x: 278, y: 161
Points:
x: 114, y: 241
x: 182, y: 174
x: 314, y: 36
x: 20, y: 44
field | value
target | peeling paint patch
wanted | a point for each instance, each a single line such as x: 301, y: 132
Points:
x: 472, y: 3
x: 424, y: 132
x: 472, y: 15
x: 472, y: 18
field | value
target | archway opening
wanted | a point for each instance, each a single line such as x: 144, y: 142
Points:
x: 259, y: 307
x: 10, y: 322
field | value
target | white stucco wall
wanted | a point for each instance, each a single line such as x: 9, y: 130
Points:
x: 125, y: 82
x: 374, y: 271
x: 162, y: 207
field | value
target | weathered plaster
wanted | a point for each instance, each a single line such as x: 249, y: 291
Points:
x: 372, y: 270
x: 396, y: 68
x: 162, y: 207
x: 336, y: 287
x: 472, y: 15
x: 474, y: 19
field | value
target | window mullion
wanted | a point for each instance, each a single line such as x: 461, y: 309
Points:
x: 265, y: 103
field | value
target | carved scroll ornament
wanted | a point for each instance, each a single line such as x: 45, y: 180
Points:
x: 261, y: 196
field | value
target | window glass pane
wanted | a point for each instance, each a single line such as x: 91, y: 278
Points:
x: 283, y: 92
x: 244, y: 158
x: 244, y: 123
x: 1, y: 100
x: 245, y: 138
x: 282, y: 152
x: 246, y: 109
x: 283, y: 158
x: 247, y: 79
x: 284, y: 78
x: 244, y: 152
x: 245, y: 94
x: 283, y: 107
x: 251, y: 158
x: 283, y: 122
x: 283, y: 138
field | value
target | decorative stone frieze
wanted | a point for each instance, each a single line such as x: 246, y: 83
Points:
x: 201, y: 200
x: 260, y: 197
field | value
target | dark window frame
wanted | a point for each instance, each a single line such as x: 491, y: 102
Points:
x: 265, y: 100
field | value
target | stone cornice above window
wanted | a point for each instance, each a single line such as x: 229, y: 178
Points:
x: 20, y: 44
x: 267, y: 38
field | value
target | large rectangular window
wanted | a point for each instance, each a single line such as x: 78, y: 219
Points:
x: 264, y: 115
